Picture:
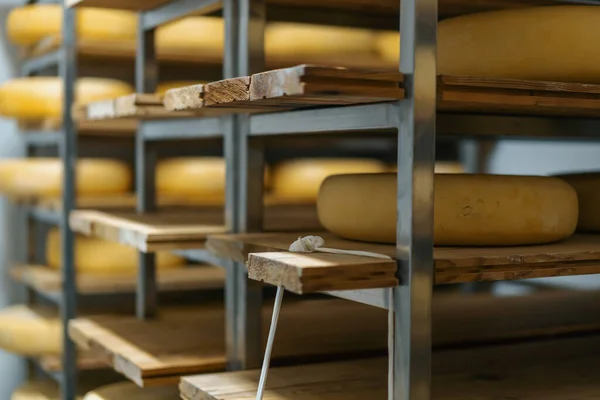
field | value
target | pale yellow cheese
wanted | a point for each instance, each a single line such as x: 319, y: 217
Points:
x: 300, y: 179
x: 101, y: 257
x: 35, y: 98
x: 28, y: 25
x: 43, y: 177
x: 388, y: 46
x: 587, y: 186
x: 469, y: 210
x: 31, y: 331
x: 39, y: 390
x: 289, y: 39
x: 441, y: 167
x: 130, y: 391
x: 206, y: 34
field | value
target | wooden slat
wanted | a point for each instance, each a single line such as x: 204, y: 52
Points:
x: 86, y: 361
x: 191, y: 340
x: 269, y: 261
x: 548, y: 370
x: 179, y: 229
x: 134, y: 5
x: 48, y: 280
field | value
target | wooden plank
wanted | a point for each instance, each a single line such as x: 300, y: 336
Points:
x: 133, y: 5
x: 48, y: 280
x: 514, y: 371
x: 87, y: 361
x: 179, y: 229
x: 269, y: 261
x: 190, y: 340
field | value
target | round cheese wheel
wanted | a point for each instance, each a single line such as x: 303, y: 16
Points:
x: 95, y: 256
x: 192, y: 34
x: 469, y: 210
x: 30, y: 331
x: 288, y: 39
x: 43, y: 177
x: 38, y: 97
x: 300, y: 179
x: 130, y: 391
x: 28, y: 25
x: 39, y: 390
x: 387, y: 45
x: 162, y: 88
x: 441, y: 167
x: 587, y: 186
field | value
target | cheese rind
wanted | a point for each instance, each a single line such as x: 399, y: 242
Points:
x: 300, y: 179
x: 587, y: 186
x: 206, y: 34
x: 101, y: 257
x: 36, y: 98
x: 43, y: 177
x: 129, y: 391
x: 469, y: 210
x: 30, y: 331
x: 38, y: 390
x: 28, y: 25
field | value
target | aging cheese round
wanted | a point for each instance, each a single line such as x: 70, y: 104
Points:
x: 28, y: 25
x: 35, y: 98
x: 206, y: 34
x: 587, y: 186
x: 441, y: 167
x: 101, y: 257
x: 40, y: 390
x: 469, y: 210
x: 30, y: 331
x: 43, y: 177
x: 300, y: 179
x: 288, y: 39
x: 130, y: 391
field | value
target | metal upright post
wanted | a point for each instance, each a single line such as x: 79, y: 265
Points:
x: 146, y: 75
x: 414, y: 243
x: 244, y: 55
x: 68, y: 152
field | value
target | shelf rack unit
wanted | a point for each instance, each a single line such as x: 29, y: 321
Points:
x: 413, y: 119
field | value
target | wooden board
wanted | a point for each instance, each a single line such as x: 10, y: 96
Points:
x: 548, y: 370
x: 269, y: 261
x: 134, y: 5
x: 290, y: 88
x: 48, y: 280
x: 86, y: 361
x: 179, y: 229
x: 113, y: 128
x: 184, y: 341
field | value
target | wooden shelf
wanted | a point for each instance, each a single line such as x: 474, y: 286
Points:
x: 183, y: 341
x: 269, y: 261
x: 48, y: 280
x: 549, y: 370
x: 179, y: 229
x: 114, y: 128
x: 134, y: 5
x: 87, y: 361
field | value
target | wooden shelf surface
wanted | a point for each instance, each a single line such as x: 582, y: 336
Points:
x: 179, y: 229
x: 546, y: 370
x: 268, y: 260
x: 183, y: 341
x: 48, y: 280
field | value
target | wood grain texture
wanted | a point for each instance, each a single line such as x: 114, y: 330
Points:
x: 269, y: 261
x: 48, y: 280
x: 521, y: 371
x: 184, y: 98
x: 183, y: 341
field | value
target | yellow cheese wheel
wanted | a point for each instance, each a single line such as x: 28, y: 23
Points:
x: 35, y: 98
x: 587, y: 186
x: 300, y: 179
x: 287, y: 39
x: 28, y: 25
x: 43, y: 177
x: 192, y: 34
x: 441, y: 167
x: 40, y: 390
x: 95, y: 256
x: 388, y: 46
x: 30, y: 331
x: 469, y: 210
x: 130, y: 391
x: 162, y: 87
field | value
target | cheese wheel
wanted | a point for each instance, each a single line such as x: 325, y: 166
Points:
x: 287, y: 39
x: 587, y: 186
x: 441, y: 167
x: 43, y: 177
x: 30, y: 331
x: 100, y: 257
x: 387, y: 45
x: 162, y: 88
x: 300, y: 179
x: 469, y: 210
x: 130, y: 391
x: 35, y: 98
x: 28, y: 25
x: 192, y: 34
x: 40, y: 390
